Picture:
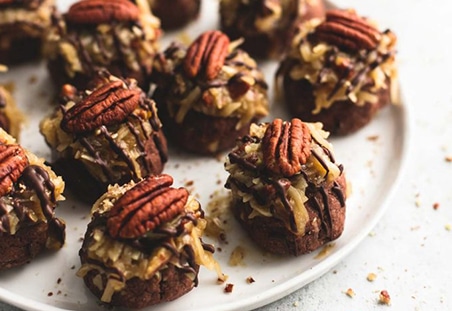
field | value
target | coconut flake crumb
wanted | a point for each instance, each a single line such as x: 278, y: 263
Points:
x: 237, y: 257
x: 326, y: 250
x: 384, y: 298
x: 350, y: 293
x: 371, y: 277
x: 417, y: 200
x: 372, y: 137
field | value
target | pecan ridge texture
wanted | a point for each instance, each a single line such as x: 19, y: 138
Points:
x: 13, y: 161
x: 149, y: 204
x: 348, y: 31
x: 107, y: 105
x: 206, y: 55
x: 102, y: 11
x: 286, y: 146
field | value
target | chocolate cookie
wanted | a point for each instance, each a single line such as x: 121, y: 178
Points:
x: 116, y: 35
x: 29, y: 191
x: 208, y: 93
x: 174, y: 14
x: 143, y: 245
x: 267, y: 27
x: 340, y: 71
x: 288, y: 192
x: 23, y: 25
x: 107, y: 134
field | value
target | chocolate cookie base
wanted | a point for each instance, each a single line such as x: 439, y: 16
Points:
x: 341, y: 118
x: 175, y: 14
x: 20, y: 49
x: 139, y: 293
x: 326, y: 223
x: 23, y: 246
x: 200, y: 133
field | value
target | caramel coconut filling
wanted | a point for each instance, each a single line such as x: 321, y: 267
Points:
x: 85, y: 47
x: 213, y: 97
x: 277, y: 15
x: 337, y: 75
x: 109, y: 152
x: 13, y: 117
x: 178, y: 243
x: 30, y: 20
x: 33, y: 199
x: 249, y: 181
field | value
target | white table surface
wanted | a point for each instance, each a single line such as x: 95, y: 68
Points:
x: 410, y: 249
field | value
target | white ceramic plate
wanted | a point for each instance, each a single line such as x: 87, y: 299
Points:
x: 373, y: 159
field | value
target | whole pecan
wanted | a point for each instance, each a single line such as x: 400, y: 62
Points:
x: 206, y: 55
x: 102, y: 11
x: 286, y: 146
x: 13, y: 161
x: 146, y: 206
x: 107, y: 105
x: 348, y: 31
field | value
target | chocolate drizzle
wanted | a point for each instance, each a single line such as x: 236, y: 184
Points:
x: 143, y: 135
x: 273, y: 186
x: 108, y: 57
x: 36, y: 179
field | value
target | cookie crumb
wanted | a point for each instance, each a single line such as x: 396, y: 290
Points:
x: 228, y: 288
x: 373, y: 137
x: 448, y: 227
x: 350, y: 293
x: 371, y: 277
x: 448, y: 158
x: 435, y: 205
x: 384, y: 298
x: 417, y: 200
x: 250, y: 280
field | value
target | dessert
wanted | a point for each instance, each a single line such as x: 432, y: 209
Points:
x: 107, y: 134
x: 174, y: 14
x: 23, y: 24
x: 288, y: 192
x: 11, y: 117
x: 29, y: 192
x: 116, y: 35
x: 266, y: 25
x: 143, y: 245
x: 340, y: 71
x: 208, y: 93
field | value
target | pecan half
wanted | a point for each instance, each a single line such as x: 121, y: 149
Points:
x: 146, y: 206
x: 107, y: 105
x: 206, y: 55
x: 348, y: 31
x: 13, y: 161
x: 286, y: 146
x: 102, y: 11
